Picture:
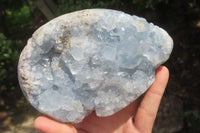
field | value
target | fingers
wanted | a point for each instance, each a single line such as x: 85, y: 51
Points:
x: 148, y: 108
x: 47, y: 125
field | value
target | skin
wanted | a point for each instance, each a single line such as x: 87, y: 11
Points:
x: 138, y: 117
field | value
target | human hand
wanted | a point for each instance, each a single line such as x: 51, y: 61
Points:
x: 138, y: 117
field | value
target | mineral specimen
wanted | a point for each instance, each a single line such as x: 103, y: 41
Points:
x: 91, y: 60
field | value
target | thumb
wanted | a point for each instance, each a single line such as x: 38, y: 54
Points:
x: 47, y: 125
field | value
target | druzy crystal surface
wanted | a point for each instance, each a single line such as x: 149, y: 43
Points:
x: 91, y: 60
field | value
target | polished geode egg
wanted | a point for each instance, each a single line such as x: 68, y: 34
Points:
x: 91, y: 60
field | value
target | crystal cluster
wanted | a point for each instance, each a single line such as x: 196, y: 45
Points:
x: 91, y: 60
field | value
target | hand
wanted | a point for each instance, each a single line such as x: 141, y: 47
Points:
x: 138, y: 117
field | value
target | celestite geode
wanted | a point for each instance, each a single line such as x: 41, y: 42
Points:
x: 96, y: 59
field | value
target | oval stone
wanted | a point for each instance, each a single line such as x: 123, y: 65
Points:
x: 91, y: 60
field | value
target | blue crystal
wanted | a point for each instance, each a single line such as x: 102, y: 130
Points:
x: 91, y: 60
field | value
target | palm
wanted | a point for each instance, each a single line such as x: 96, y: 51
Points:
x: 135, y: 118
x: 115, y: 123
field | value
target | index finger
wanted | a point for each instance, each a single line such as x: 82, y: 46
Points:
x: 148, y: 108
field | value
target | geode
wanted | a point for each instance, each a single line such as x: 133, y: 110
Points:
x: 91, y: 60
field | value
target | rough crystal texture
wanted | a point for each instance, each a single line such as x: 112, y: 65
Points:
x: 94, y: 59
